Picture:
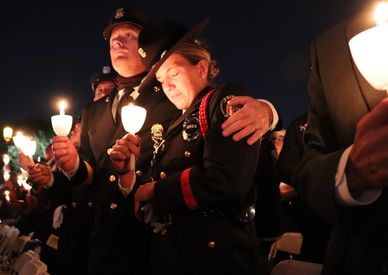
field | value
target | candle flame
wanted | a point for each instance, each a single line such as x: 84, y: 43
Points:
x: 62, y: 106
x: 381, y: 13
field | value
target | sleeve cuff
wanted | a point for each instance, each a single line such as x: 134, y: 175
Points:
x: 275, y: 115
x: 51, y: 181
x: 126, y: 191
x: 342, y: 190
x: 71, y: 173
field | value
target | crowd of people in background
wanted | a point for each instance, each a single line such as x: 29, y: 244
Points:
x: 218, y: 178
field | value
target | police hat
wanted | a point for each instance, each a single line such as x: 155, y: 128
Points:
x: 105, y: 74
x: 126, y: 16
x: 159, y: 39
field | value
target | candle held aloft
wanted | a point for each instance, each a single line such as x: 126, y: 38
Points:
x: 62, y: 123
x: 133, y: 118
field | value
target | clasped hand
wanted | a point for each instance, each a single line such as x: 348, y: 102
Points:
x: 65, y: 153
x: 367, y: 167
x: 121, y: 151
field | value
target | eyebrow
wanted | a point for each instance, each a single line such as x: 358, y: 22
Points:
x: 157, y: 78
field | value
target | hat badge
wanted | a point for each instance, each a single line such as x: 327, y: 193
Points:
x: 106, y: 70
x: 119, y: 13
x: 142, y: 52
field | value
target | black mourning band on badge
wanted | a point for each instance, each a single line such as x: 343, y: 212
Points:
x: 191, y: 128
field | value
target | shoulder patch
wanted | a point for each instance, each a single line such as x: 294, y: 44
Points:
x: 227, y: 110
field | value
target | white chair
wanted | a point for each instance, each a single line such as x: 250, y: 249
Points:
x: 290, y: 242
x: 295, y: 267
x: 33, y: 267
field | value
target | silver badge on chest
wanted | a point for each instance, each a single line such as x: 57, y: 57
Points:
x: 191, y: 128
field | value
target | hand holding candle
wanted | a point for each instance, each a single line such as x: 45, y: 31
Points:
x: 62, y: 123
x: 133, y: 118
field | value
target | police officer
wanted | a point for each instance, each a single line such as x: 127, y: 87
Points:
x: 201, y: 195
x: 102, y: 82
x: 118, y: 242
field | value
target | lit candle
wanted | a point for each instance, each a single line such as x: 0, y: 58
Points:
x: 25, y: 144
x: 6, y: 194
x: 7, y: 133
x: 6, y: 159
x: 18, y: 139
x: 6, y: 175
x: 133, y: 118
x: 62, y: 123
x: 369, y: 50
x: 20, y: 180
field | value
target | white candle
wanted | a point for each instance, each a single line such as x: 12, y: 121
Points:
x: 62, y: 123
x: 133, y: 118
x: 6, y: 194
x: 6, y: 159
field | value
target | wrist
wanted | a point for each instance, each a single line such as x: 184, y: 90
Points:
x: 354, y: 179
x: 126, y: 179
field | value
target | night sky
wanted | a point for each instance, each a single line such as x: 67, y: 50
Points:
x: 49, y: 49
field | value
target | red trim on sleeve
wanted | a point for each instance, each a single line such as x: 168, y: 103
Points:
x: 186, y: 190
x: 203, y: 125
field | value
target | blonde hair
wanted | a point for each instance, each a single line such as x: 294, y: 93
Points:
x: 196, y: 50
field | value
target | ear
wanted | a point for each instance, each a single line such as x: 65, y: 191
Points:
x: 203, y: 68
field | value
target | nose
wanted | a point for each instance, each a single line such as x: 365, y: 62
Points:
x: 168, y: 86
x: 116, y: 43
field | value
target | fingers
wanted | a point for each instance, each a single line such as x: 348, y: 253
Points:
x: 251, y: 120
x: 375, y: 119
x: 239, y: 100
x: 116, y: 155
x: 234, y: 123
x: 127, y: 145
x: 39, y: 174
x: 256, y: 136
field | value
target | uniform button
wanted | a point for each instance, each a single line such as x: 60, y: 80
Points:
x: 74, y: 204
x: 162, y: 175
x: 112, y: 178
x: 139, y: 173
x: 113, y: 206
x: 90, y: 204
x: 212, y: 244
x: 156, y: 89
x: 187, y: 154
x: 109, y: 151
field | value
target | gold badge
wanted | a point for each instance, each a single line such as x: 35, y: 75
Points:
x: 226, y: 109
x: 142, y: 53
x: 157, y: 132
x: 119, y: 13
